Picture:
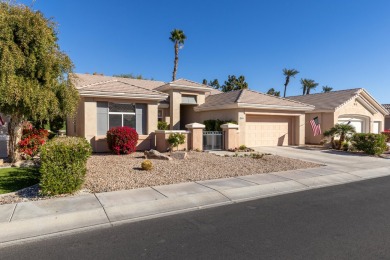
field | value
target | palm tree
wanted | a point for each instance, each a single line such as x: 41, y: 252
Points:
x: 273, y: 92
x: 288, y: 73
x: 342, y: 130
x: 326, y: 89
x: 307, y: 85
x: 178, y: 38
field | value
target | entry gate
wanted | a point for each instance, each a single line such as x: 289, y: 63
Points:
x: 212, y: 140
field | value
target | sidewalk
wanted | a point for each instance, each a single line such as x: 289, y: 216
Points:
x: 50, y: 217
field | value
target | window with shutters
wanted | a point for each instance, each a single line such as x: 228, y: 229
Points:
x: 111, y: 115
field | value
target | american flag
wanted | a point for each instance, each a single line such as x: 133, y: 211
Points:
x: 315, y: 126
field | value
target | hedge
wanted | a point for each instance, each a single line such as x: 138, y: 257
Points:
x: 373, y: 144
x: 63, y: 165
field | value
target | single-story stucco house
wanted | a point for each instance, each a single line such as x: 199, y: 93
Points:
x: 356, y: 106
x: 387, y: 118
x: 105, y: 102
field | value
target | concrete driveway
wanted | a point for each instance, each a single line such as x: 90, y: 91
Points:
x: 337, y: 160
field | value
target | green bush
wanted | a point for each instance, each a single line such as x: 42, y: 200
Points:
x: 63, y: 164
x: 215, y: 124
x: 147, y: 165
x: 387, y: 134
x: 242, y: 147
x: 176, y: 139
x: 162, y: 125
x: 373, y: 144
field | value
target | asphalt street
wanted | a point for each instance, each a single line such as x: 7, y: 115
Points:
x: 350, y: 221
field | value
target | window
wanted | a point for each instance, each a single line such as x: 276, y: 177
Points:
x: 188, y: 99
x: 160, y: 115
x: 121, y: 114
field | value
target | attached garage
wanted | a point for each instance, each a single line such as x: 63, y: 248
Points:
x: 357, y: 123
x: 268, y: 130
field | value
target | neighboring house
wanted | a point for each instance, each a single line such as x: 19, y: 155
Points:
x: 112, y: 101
x: 4, y: 137
x: 356, y: 106
x: 387, y: 118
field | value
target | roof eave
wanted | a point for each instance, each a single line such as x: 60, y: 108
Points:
x: 254, y: 106
x: 122, y: 95
x: 170, y: 86
x: 276, y: 107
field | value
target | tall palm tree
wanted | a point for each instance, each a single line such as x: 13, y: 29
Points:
x: 288, y: 73
x: 178, y: 38
x: 307, y: 85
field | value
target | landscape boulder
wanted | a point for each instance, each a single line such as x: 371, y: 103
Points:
x: 153, y: 154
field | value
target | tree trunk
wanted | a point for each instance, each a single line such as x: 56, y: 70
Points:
x: 176, y: 60
x: 285, y: 87
x: 304, y: 90
x: 14, y: 132
x: 341, y: 141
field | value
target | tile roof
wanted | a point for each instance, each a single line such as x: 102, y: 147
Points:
x: 114, y: 86
x: 387, y: 106
x: 250, y: 97
x: 119, y: 87
x: 82, y: 80
x: 328, y: 101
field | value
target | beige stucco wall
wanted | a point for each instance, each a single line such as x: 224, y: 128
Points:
x: 326, y: 120
x: 86, y: 123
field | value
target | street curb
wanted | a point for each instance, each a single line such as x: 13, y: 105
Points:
x: 33, y: 229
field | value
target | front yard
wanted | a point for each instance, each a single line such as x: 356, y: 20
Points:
x: 13, y: 179
x: 107, y: 172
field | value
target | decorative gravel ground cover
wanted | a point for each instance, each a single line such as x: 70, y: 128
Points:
x: 108, y: 172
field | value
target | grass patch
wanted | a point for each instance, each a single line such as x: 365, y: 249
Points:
x: 13, y: 179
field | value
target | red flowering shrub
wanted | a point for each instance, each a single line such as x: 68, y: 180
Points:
x: 122, y: 140
x: 32, y: 139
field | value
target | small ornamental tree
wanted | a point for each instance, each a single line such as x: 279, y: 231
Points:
x: 176, y: 139
x: 31, y: 141
x: 35, y: 74
x: 122, y: 140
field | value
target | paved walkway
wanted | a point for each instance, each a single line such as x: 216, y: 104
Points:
x: 49, y: 217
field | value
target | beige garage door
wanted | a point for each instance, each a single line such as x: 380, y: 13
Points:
x: 268, y: 130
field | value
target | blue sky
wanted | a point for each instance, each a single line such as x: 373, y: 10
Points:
x: 339, y: 43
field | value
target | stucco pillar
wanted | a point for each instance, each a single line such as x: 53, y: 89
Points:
x: 152, y: 118
x: 195, y: 140
x: 90, y: 119
x: 300, y: 130
x: 230, y: 135
x: 174, y: 106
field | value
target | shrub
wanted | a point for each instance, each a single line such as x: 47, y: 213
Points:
x: 122, y: 140
x: 147, y: 165
x: 373, y: 144
x: 63, y: 164
x: 257, y: 155
x: 162, y: 125
x: 387, y: 134
x: 242, y: 147
x: 215, y: 124
x: 176, y: 139
x: 31, y: 141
